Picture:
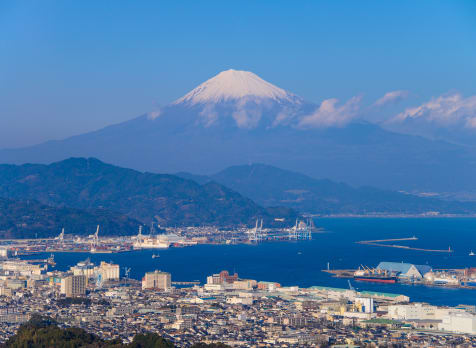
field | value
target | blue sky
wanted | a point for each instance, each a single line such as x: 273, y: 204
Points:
x: 67, y: 67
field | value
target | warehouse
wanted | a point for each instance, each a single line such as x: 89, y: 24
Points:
x: 405, y: 270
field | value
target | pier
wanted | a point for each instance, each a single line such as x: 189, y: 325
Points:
x: 387, y: 240
x: 380, y: 243
x: 186, y: 283
x: 340, y: 273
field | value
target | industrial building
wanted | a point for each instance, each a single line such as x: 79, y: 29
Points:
x: 22, y: 268
x: 157, y: 280
x: 405, y: 270
x: 107, y: 271
x: 365, y: 304
x: 85, y: 268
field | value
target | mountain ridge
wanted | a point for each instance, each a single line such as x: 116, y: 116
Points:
x: 163, y: 198
x: 269, y: 185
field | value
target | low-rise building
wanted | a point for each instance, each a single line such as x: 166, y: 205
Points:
x: 459, y: 322
x: 222, y: 278
x: 21, y: 267
x: 244, y: 284
x: 271, y: 286
x: 419, y: 311
x: 395, y: 298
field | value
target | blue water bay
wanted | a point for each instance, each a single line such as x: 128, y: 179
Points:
x: 301, y: 262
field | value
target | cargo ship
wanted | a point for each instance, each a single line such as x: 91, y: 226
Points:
x: 376, y: 279
x: 374, y: 276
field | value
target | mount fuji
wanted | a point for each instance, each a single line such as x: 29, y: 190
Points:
x: 238, y: 118
x: 236, y: 99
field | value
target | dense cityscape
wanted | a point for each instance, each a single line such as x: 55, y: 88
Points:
x: 226, y: 308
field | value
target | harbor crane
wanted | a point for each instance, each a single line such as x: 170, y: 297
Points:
x: 301, y: 230
x: 139, y: 235
x: 96, y: 236
x: 60, y: 238
x: 61, y: 235
x: 256, y: 234
x: 95, y: 240
x: 127, y: 271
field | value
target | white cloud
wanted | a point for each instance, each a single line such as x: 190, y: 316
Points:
x: 391, y: 98
x: 247, y: 118
x: 247, y: 112
x: 154, y: 114
x: 208, y: 115
x: 471, y: 122
x: 330, y: 114
x: 446, y: 110
x: 285, y: 116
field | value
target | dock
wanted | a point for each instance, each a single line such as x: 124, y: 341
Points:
x: 349, y: 273
x: 340, y: 273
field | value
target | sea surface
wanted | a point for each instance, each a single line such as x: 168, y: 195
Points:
x: 301, y: 262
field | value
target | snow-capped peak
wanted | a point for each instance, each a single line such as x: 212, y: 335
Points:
x: 234, y: 84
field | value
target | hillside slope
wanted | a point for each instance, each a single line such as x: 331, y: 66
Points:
x: 30, y: 219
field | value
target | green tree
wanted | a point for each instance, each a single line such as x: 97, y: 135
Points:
x: 149, y: 340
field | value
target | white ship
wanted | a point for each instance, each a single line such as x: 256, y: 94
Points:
x: 161, y: 241
x: 151, y: 243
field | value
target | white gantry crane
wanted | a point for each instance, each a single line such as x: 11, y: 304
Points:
x: 127, y: 272
x: 301, y: 230
x: 60, y: 238
x: 95, y: 240
x: 256, y: 234
x: 139, y: 235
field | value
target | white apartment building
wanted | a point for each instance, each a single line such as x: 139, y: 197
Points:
x: 73, y: 285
